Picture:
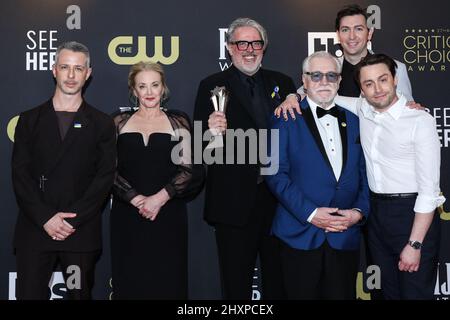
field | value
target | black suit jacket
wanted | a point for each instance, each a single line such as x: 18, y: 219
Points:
x: 79, y: 173
x: 231, y: 188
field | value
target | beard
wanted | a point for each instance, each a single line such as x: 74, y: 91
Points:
x: 246, y: 67
x: 384, y: 103
x: 323, y: 100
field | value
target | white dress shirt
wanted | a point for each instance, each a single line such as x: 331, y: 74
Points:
x: 331, y: 138
x: 328, y: 127
x: 402, y: 150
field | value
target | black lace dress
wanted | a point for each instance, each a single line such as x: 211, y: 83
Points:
x: 149, y: 258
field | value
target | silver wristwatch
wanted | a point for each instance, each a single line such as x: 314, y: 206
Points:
x: 415, y: 244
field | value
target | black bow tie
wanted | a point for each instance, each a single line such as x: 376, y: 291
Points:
x: 332, y: 112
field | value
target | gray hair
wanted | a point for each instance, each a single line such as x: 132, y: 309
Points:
x: 321, y: 54
x: 75, y: 47
x: 246, y: 22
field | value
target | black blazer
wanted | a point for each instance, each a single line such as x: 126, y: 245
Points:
x: 231, y: 188
x: 79, y: 173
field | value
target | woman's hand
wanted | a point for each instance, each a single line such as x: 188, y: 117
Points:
x: 138, y: 201
x: 152, y: 204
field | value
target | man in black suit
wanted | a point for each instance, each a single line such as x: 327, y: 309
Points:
x: 63, y: 166
x: 238, y: 203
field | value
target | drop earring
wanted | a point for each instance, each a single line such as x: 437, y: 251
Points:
x: 134, y: 101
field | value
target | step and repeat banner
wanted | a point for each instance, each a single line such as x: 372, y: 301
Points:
x: 187, y: 38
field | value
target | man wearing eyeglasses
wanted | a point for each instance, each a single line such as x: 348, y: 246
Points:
x: 354, y: 34
x: 237, y: 201
x: 322, y: 189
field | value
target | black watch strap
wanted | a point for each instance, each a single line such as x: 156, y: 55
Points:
x: 415, y: 244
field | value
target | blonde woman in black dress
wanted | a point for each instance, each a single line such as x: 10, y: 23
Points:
x: 149, y: 217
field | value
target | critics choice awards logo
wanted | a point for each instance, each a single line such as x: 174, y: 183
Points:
x: 426, y: 49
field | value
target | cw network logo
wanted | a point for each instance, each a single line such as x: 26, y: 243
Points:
x: 444, y: 215
x: 121, y: 50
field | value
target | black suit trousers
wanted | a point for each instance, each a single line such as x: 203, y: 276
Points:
x: 238, y: 249
x: 35, y: 268
x: 324, y: 273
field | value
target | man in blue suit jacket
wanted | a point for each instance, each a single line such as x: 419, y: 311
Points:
x: 322, y: 190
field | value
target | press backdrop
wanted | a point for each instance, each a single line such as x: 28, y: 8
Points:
x: 187, y: 37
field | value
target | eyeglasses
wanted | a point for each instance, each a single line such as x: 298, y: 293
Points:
x: 317, y: 76
x: 243, y: 45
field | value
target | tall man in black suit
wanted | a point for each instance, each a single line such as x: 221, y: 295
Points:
x: 238, y: 203
x: 63, y: 166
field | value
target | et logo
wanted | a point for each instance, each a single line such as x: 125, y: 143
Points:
x: 121, y: 49
x: 324, y: 41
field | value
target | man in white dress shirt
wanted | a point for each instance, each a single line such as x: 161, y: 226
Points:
x: 402, y: 152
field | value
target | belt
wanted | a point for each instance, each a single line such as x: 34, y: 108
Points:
x: 391, y: 196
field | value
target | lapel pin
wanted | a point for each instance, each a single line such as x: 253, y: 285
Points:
x: 275, y: 92
x: 343, y: 124
x: 77, y: 125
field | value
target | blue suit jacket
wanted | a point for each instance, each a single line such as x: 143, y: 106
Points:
x: 305, y: 181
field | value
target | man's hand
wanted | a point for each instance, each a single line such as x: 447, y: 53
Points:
x: 153, y: 203
x: 217, y: 122
x: 138, y: 201
x: 409, y: 259
x: 58, y: 228
x: 415, y: 105
x: 353, y: 216
x: 288, y: 105
x: 326, y: 218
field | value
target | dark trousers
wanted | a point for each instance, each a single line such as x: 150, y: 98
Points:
x: 366, y: 261
x: 238, y: 248
x: 390, y: 224
x: 35, y: 268
x: 322, y: 273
